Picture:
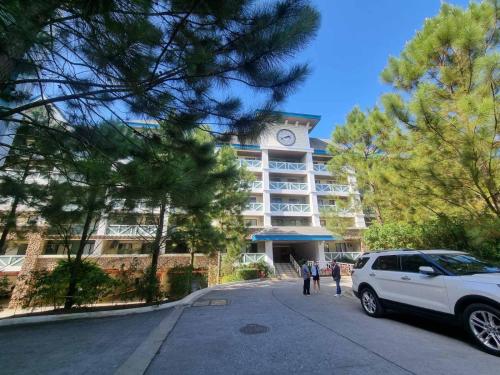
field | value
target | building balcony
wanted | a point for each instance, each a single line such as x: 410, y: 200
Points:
x: 254, y: 206
x: 131, y: 230
x: 335, y: 209
x: 320, y: 168
x: 254, y: 186
x: 290, y: 207
x: 287, y: 166
x: 293, y: 186
x: 332, y: 189
x: 250, y: 163
x: 11, y: 263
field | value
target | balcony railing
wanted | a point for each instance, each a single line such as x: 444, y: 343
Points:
x: 255, y: 185
x: 290, y: 207
x: 278, y: 185
x: 332, y: 188
x: 250, y: 163
x: 287, y: 166
x: 252, y: 258
x: 11, y: 262
x: 131, y: 230
x: 336, y: 209
x: 329, y: 256
x: 254, y: 206
x: 320, y: 167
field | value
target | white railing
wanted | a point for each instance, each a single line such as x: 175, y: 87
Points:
x: 338, y: 210
x: 295, y: 265
x: 320, y: 167
x: 284, y: 165
x: 131, y: 230
x: 254, y: 206
x: 11, y: 262
x: 278, y: 185
x: 250, y: 163
x: 252, y: 258
x: 254, y: 185
x: 332, y: 188
x: 329, y: 256
x: 290, y: 207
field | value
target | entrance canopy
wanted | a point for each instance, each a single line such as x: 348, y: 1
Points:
x: 293, y: 234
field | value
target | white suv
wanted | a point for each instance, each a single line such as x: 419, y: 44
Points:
x: 437, y: 283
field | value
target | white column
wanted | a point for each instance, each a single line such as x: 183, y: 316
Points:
x: 313, y: 196
x: 163, y: 246
x: 266, y: 196
x: 269, y: 252
x: 321, y: 250
x: 101, y: 231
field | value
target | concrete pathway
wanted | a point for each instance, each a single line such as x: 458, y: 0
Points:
x: 259, y: 328
x: 317, y: 334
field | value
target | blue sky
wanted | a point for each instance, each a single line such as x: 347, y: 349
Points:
x: 352, y: 47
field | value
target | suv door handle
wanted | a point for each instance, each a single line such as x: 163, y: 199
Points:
x: 405, y: 278
x: 372, y: 274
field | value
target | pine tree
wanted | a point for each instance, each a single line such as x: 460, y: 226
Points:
x: 86, y: 184
x: 448, y: 76
x: 163, y: 59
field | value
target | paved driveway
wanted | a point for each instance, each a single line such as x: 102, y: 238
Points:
x: 317, y: 334
x: 303, y: 335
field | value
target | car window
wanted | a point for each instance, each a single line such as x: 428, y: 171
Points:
x: 360, y: 262
x: 411, y: 263
x: 386, y: 263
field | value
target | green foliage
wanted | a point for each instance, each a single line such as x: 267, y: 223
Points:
x: 427, y: 160
x: 181, y: 280
x: 49, y: 288
x: 480, y: 238
x: 4, y: 287
x: 248, y: 272
x: 168, y: 59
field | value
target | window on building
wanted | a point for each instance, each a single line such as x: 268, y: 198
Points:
x: 340, y: 247
x: 251, y: 247
x: 386, y: 263
x: 276, y: 200
x: 252, y: 199
x: 251, y: 222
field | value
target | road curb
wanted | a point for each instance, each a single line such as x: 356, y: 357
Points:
x: 190, y: 298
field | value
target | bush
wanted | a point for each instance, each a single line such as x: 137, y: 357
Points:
x: 481, y: 238
x: 49, y: 288
x: 4, y: 287
x: 263, y: 267
x: 182, y: 280
x: 248, y: 273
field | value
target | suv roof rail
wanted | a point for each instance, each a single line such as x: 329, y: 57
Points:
x: 388, y: 250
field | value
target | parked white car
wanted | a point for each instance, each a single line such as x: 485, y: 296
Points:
x: 445, y: 284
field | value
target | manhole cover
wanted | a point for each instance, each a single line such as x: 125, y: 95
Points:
x: 253, y: 329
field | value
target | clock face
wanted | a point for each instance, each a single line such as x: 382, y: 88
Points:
x: 286, y: 137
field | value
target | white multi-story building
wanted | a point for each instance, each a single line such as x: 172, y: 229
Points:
x: 294, y: 197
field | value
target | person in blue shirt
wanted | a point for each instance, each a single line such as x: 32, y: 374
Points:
x: 315, y: 276
x: 306, y: 275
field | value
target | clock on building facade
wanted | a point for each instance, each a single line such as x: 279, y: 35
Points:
x: 286, y: 137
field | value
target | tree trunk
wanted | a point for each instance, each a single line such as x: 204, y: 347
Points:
x: 76, y: 263
x: 151, y: 290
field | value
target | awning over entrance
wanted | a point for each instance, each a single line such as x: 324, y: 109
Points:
x: 293, y: 234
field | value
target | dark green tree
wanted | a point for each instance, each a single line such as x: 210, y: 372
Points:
x: 164, y: 59
x: 86, y: 185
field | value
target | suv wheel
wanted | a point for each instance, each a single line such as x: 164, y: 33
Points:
x: 483, y: 324
x: 371, y: 303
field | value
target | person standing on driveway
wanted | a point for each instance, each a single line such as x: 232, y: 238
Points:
x: 315, y: 276
x: 306, y: 275
x: 336, y: 276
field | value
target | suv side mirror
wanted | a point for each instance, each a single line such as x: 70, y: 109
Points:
x: 429, y: 271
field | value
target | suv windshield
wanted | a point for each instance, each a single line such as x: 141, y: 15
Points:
x: 464, y: 264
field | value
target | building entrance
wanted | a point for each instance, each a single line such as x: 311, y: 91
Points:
x: 281, y: 253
